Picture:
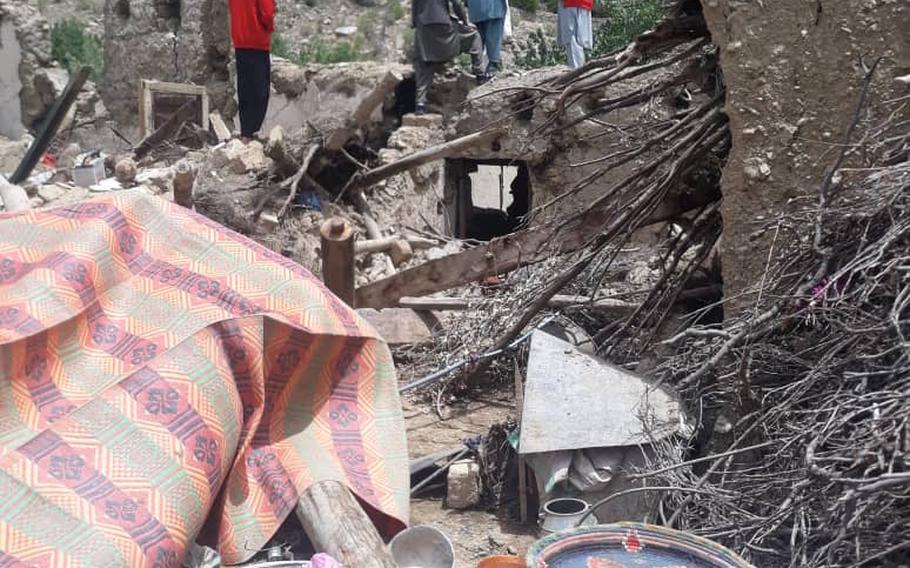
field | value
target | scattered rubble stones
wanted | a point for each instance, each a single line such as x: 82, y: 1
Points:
x: 125, y: 171
x: 463, y: 491
x: 241, y: 158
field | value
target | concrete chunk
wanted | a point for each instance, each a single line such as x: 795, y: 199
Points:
x: 463, y: 485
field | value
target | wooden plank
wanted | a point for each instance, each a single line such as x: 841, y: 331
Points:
x: 175, y: 88
x: 51, y: 124
x: 338, y: 526
x: 401, y: 326
x: 338, y: 258
x: 222, y: 132
x: 385, y: 243
x: 434, y: 304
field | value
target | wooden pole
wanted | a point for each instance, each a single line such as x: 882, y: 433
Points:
x: 338, y: 526
x: 184, y: 179
x: 338, y: 258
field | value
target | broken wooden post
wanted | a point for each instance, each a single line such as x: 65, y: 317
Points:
x: 401, y: 252
x: 338, y: 258
x: 170, y: 127
x: 184, y: 179
x: 219, y: 128
x: 338, y: 526
x: 49, y: 128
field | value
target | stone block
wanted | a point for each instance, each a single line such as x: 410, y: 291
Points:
x: 463, y: 490
x: 422, y: 121
x: 53, y: 192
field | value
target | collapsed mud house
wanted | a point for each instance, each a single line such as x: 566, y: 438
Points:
x: 686, y: 206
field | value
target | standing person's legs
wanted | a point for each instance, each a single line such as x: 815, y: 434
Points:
x: 423, y: 78
x: 253, y: 89
x: 471, y: 44
x: 492, y: 39
x: 575, y: 53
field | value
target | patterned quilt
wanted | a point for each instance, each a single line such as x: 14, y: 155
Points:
x: 160, y: 374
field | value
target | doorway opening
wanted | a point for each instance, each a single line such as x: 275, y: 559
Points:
x: 487, y: 198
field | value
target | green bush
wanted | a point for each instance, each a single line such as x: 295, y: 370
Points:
x: 539, y: 50
x: 395, y: 11
x: 320, y: 52
x: 526, y: 5
x: 280, y: 47
x: 72, y: 48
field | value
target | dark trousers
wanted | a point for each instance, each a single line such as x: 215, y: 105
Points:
x: 254, y: 80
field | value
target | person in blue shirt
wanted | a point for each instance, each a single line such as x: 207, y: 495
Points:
x: 489, y: 17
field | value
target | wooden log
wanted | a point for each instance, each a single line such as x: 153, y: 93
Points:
x: 507, y: 253
x: 222, y: 132
x: 167, y: 131
x: 184, y: 180
x: 431, y: 154
x: 338, y: 258
x: 566, y: 302
x: 338, y: 526
x: 51, y: 124
x: 385, y: 243
x: 364, y: 110
x: 14, y: 197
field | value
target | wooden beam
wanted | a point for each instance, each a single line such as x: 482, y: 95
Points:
x: 431, y: 154
x: 51, y: 124
x: 399, y: 326
x: 507, y: 253
x: 559, y: 301
x: 184, y: 180
x: 338, y: 526
x: 384, y: 244
x: 338, y: 258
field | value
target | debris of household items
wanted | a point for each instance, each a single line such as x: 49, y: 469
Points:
x: 89, y: 169
x: 422, y: 547
x: 206, y: 352
x: 587, y: 453
x: 630, y: 544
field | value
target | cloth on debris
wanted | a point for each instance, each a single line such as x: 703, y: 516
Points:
x: 574, y: 33
x: 252, y: 24
x: 160, y: 371
x: 254, y: 83
x: 586, y: 471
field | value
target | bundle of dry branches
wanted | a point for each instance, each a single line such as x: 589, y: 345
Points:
x: 812, y: 388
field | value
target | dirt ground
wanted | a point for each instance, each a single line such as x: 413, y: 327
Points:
x: 475, y: 534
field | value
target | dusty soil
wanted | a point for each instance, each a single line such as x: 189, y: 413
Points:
x: 475, y: 534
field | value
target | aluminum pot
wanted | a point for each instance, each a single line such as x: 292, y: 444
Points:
x: 422, y: 547
x: 564, y: 513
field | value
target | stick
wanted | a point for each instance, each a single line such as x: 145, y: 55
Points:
x: 50, y: 126
x: 337, y: 525
x: 295, y: 181
x: 384, y: 244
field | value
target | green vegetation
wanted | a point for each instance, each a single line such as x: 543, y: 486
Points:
x: 280, y: 47
x: 526, y: 5
x: 320, y: 52
x: 72, y: 48
x: 395, y: 11
x: 625, y: 20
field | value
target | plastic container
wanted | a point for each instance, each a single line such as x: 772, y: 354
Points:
x: 89, y: 174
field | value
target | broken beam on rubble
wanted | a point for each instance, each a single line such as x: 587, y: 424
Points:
x: 364, y: 110
x: 386, y: 243
x: 507, y: 253
x: 608, y: 305
x: 417, y: 159
x: 14, y: 197
x: 167, y: 130
x: 338, y: 526
x: 49, y: 128
x: 219, y: 128
x: 338, y: 258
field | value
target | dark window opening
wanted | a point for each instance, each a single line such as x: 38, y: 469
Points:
x: 168, y: 10
x: 405, y: 97
x: 490, y: 198
x: 122, y: 9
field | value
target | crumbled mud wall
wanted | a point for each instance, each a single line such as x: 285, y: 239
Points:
x: 26, y: 69
x: 793, y: 76
x: 183, y: 41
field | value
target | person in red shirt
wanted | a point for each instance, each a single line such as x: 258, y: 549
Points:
x: 573, y: 32
x: 252, y: 25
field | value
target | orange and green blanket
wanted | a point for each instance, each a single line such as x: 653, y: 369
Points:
x: 160, y: 374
